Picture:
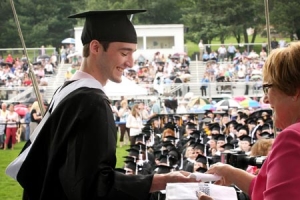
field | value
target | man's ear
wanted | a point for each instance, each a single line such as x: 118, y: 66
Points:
x: 95, y: 47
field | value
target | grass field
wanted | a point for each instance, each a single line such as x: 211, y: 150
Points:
x: 11, y: 190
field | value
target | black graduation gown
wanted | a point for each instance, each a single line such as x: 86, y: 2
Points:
x: 73, y: 157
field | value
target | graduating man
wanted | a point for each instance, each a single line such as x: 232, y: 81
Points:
x: 73, y: 157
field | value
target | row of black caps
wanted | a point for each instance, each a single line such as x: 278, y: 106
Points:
x: 171, y: 155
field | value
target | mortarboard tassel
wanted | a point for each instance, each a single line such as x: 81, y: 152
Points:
x: 146, y: 154
x: 181, y: 162
x: 168, y: 162
x: 140, y: 154
x: 136, y: 169
x: 152, y: 138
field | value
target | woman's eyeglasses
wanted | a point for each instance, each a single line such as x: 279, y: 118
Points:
x: 266, y: 87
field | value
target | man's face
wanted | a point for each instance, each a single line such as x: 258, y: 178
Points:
x: 220, y: 143
x: 3, y: 106
x: 115, y: 60
x: 141, y: 106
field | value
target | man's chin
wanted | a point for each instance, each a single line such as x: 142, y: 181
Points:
x: 116, y: 80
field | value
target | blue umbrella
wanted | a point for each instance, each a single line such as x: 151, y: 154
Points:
x: 208, y: 107
x: 68, y: 41
x: 250, y: 103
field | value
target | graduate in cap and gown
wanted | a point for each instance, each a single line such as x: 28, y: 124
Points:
x: 163, y: 168
x: 73, y: 157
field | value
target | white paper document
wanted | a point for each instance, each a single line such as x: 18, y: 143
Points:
x: 187, y: 191
x: 204, y: 177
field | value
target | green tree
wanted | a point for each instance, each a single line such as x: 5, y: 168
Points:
x: 208, y: 20
x: 285, y: 17
x: 8, y: 32
x: 161, y: 12
x: 42, y: 22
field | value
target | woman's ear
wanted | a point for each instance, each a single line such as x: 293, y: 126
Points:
x: 297, y: 95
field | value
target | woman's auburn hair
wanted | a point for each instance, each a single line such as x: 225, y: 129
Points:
x: 282, y: 68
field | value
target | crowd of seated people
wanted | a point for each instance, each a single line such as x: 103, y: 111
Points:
x: 14, y: 72
x: 164, y: 69
x: 245, y: 66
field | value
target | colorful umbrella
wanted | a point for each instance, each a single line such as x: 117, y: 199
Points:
x: 257, y: 113
x: 228, y: 103
x: 21, y: 110
x: 196, y: 100
x: 250, y: 103
x: 68, y: 41
x: 207, y: 107
x: 240, y: 98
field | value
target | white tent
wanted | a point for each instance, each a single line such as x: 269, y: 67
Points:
x: 125, y: 88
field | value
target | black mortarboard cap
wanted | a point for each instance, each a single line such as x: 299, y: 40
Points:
x: 214, y: 126
x: 163, y: 169
x: 191, y: 125
x: 240, y: 112
x: 197, y: 145
x: 250, y: 120
x: 243, y: 116
x: 174, y: 156
x: 129, y: 159
x: 246, y: 138
x: 215, y: 136
x: 221, y: 137
x: 201, y: 159
x: 266, y: 126
x: 163, y: 158
x: 266, y: 135
x: 177, y: 117
x: 123, y: 171
x: 225, y: 114
x: 108, y: 25
x: 201, y: 170
x: 153, y: 118
x: 168, y: 144
x: 192, y: 140
x: 158, y: 153
x: 141, y: 137
x: 147, y: 128
x: 138, y: 146
x: 170, y: 138
x: 206, y: 120
x: 195, y: 134
x: 130, y: 165
x: 239, y: 127
x: 133, y: 152
x: 227, y: 146
x: 192, y: 116
x: 170, y: 125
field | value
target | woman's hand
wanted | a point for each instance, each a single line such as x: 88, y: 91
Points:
x: 203, y: 196
x: 223, y: 170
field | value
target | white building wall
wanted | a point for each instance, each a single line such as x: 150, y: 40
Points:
x: 172, y: 39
